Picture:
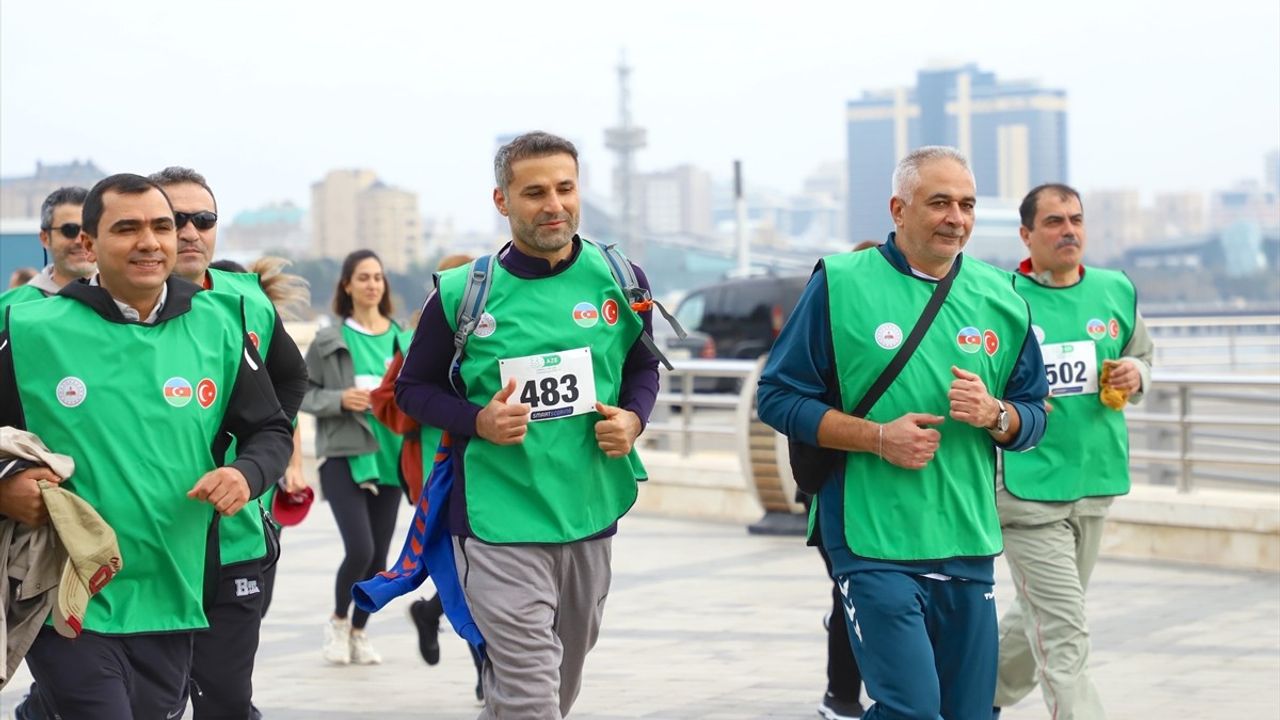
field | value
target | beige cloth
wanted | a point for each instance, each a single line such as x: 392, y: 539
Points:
x: 56, y: 567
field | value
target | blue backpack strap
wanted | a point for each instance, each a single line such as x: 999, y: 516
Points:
x: 470, y: 309
x: 638, y: 297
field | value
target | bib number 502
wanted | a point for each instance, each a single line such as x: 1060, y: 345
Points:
x: 550, y: 391
x: 1065, y: 373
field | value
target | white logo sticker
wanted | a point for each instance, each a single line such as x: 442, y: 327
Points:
x: 486, y: 326
x: 1039, y: 333
x: 888, y: 335
x: 71, y: 391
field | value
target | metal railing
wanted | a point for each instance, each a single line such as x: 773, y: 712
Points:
x: 1245, y: 343
x: 1191, y: 430
x: 703, y: 399
x: 1202, y: 430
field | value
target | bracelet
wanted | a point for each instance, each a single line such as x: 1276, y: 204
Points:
x: 880, y: 442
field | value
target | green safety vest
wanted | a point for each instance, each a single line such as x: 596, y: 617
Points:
x: 1085, y: 449
x: 557, y: 486
x: 947, y: 510
x: 371, y: 354
x: 139, y: 416
x: 20, y: 294
x: 241, y: 537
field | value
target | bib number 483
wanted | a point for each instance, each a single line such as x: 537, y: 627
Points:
x: 549, y: 391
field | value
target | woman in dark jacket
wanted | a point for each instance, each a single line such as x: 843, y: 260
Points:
x: 359, y: 473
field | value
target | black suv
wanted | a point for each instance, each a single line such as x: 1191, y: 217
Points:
x: 742, y: 316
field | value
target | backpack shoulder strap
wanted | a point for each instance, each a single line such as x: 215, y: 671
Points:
x: 639, y: 298
x: 474, y: 296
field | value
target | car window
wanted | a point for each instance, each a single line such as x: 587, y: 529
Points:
x: 691, y: 310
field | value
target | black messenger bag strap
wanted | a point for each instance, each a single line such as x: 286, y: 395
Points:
x: 899, y: 361
x: 810, y: 465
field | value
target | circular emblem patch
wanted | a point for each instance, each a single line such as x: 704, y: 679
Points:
x: 990, y: 342
x: 486, y: 326
x: 585, y: 314
x: 71, y: 391
x: 969, y: 339
x: 888, y: 335
x: 610, y: 311
x: 253, y: 338
x: 1039, y: 333
x: 206, y: 392
x: 1113, y: 329
x: 1096, y: 328
x: 177, y: 391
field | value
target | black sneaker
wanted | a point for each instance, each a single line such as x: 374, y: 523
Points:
x: 833, y: 708
x: 31, y: 708
x: 428, y: 626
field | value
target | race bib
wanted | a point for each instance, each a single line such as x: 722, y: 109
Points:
x: 1071, y: 367
x: 553, y: 385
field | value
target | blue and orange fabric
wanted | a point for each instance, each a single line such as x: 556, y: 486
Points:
x: 427, y: 551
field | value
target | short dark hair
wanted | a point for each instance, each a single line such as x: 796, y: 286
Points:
x: 1029, y: 204
x: 529, y: 145
x: 122, y: 183
x: 228, y: 266
x: 70, y: 195
x: 342, y: 304
x: 176, y: 175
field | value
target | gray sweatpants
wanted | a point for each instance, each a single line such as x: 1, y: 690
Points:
x: 539, y: 608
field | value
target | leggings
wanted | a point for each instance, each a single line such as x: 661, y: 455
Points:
x: 366, y: 522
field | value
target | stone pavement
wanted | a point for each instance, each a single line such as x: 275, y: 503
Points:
x: 706, y: 622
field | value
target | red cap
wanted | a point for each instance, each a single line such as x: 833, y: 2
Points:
x: 289, y: 509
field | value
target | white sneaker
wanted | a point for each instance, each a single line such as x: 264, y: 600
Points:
x: 362, y: 652
x: 337, y: 641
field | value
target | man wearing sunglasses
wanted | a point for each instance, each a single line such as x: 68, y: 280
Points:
x: 222, y: 666
x: 60, y: 236
x: 105, y: 372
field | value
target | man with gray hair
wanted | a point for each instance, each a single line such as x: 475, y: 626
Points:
x: 60, y: 236
x: 911, y: 364
x: 545, y: 462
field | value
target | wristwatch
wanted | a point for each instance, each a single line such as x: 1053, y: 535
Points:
x: 1001, y: 425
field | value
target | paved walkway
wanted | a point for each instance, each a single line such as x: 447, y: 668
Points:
x: 706, y: 622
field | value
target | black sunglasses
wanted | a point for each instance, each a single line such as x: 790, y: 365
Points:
x: 202, y: 220
x: 69, y: 231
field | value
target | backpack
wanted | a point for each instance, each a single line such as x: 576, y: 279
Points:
x: 476, y: 293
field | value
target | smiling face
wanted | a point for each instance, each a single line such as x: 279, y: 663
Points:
x: 1056, y: 239
x: 136, y: 246
x: 935, y: 224
x: 67, y: 253
x: 541, y: 203
x: 195, y: 246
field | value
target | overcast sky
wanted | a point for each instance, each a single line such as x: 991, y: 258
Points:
x: 264, y: 97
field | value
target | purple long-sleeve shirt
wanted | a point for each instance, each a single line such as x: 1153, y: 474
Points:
x: 424, y: 393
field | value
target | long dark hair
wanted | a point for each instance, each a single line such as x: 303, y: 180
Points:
x: 342, y: 305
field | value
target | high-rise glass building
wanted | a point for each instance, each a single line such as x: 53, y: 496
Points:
x: 1014, y: 133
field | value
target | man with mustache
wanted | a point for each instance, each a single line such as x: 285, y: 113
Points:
x: 224, y: 655
x: 907, y: 509
x: 1054, y: 499
x: 107, y: 373
x: 60, y: 236
x: 554, y: 389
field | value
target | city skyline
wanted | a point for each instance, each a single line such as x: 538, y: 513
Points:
x: 264, y: 102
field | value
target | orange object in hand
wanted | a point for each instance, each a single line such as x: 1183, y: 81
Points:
x: 1112, y: 397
